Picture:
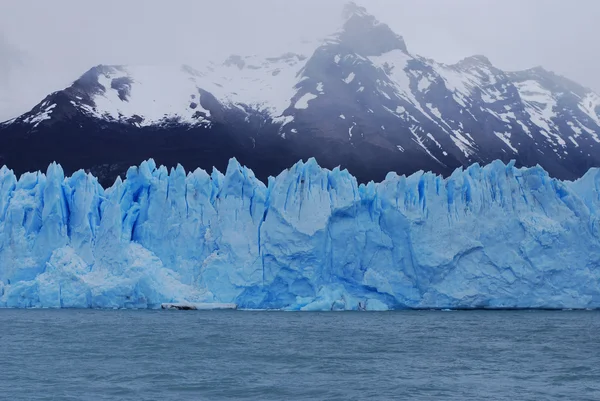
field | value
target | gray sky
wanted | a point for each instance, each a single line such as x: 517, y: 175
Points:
x: 45, y: 45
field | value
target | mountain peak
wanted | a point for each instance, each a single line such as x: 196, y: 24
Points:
x: 352, y: 9
x: 550, y: 80
x: 365, y: 35
x: 475, y: 60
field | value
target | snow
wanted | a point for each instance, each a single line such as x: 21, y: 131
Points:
x: 343, y: 117
x: 590, y: 105
x: 505, y: 117
x: 349, y: 78
x: 465, y: 82
x: 575, y: 129
x: 419, y: 141
x: 320, y: 88
x: 312, y: 239
x: 265, y: 84
x: 540, y: 104
x: 394, y: 63
x: 525, y: 128
x: 461, y: 83
x: 424, y: 84
x: 505, y: 137
x: 160, y: 93
x: 362, y: 88
x: 491, y: 95
x: 152, y: 97
x: 435, y: 111
x: 337, y: 58
x: 302, y: 103
x: 591, y: 133
x: 434, y: 140
x: 283, y: 120
x: 462, y: 143
x: 400, y: 148
x: 43, y: 115
x: 574, y: 141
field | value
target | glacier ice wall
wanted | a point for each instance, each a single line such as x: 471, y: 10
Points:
x: 313, y: 239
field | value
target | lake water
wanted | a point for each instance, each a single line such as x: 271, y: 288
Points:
x: 234, y: 355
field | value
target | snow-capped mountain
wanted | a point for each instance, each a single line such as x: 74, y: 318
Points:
x: 360, y: 100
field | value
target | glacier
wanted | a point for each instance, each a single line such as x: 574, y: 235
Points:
x: 311, y: 239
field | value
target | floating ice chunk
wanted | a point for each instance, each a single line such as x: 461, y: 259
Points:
x: 197, y: 306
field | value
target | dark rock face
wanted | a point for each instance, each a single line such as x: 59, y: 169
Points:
x: 122, y: 86
x: 373, y: 108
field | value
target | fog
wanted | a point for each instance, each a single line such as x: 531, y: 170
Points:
x: 46, y: 45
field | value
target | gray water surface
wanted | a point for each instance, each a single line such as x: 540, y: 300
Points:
x: 229, y: 355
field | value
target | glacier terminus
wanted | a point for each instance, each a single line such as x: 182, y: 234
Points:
x: 311, y: 239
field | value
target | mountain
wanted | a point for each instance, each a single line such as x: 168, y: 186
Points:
x: 312, y: 239
x: 360, y: 100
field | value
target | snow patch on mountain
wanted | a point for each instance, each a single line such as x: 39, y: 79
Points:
x: 155, y: 94
x: 505, y: 137
x: 424, y: 84
x: 540, y: 104
x: 434, y: 140
x: 302, y: 103
x: 349, y: 78
x: 590, y: 105
x: 266, y: 84
x: 419, y: 141
x: 462, y: 143
x: 44, y: 114
x: 393, y: 64
x: 149, y: 97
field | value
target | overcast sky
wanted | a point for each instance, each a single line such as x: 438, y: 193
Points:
x: 44, y: 45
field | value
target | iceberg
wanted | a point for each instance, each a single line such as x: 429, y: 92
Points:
x: 310, y: 239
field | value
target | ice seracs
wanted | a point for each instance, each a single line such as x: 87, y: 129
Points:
x: 312, y: 239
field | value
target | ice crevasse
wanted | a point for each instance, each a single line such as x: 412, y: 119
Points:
x: 312, y: 239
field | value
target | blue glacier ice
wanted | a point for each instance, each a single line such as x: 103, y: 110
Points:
x: 312, y: 239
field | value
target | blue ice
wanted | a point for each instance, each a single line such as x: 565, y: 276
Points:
x: 312, y: 239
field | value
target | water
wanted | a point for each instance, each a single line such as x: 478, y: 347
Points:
x: 229, y: 355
